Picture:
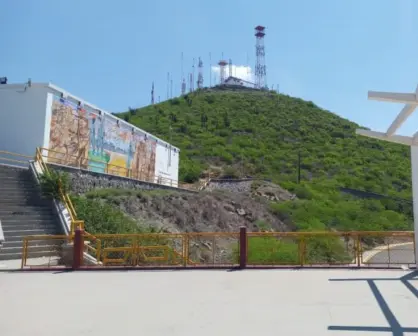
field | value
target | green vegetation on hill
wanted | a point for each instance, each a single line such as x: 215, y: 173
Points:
x: 261, y: 133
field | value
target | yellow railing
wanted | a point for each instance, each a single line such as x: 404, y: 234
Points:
x: 276, y: 249
x: 61, y: 158
x: 356, y: 248
x: 65, y: 198
x: 55, y: 246
x: 14, y: 158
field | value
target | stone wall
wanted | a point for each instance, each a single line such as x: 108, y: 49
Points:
x: 83, y: 181
x: 230, y: 185
x: 262, y: 188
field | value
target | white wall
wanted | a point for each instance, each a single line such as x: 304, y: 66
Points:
x: 22, y: 118
x: 167, y: 163
x: 25, y: 119
x: 234, y: 81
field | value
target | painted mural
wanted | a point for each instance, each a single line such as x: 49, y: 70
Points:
x: 85, y: 138
x: 69, y: 134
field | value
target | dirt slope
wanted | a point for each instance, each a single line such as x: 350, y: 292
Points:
x: 223, y: 207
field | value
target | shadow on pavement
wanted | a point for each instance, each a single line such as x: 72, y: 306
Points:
x: 394, y: 325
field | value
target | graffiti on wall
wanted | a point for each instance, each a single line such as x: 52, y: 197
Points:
x: 88, y: 139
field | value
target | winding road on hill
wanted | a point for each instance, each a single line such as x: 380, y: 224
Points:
x: 395, y: 255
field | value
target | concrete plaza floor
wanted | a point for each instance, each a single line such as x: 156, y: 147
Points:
x: 250, y: 303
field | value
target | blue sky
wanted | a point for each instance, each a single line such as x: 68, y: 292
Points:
x: 109, y: 52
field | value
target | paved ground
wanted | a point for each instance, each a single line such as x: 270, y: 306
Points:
x: 273, y: 302
x: 397, y: 254
x: 17, y: 263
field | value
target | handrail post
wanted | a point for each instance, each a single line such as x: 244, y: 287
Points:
x: 302, y: 251
x: 243, y: 247
x: 78, y: 249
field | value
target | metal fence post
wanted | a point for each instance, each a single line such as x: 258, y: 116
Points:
x: 358, y: 250
x: 78, y: 249
x: 243, y: 247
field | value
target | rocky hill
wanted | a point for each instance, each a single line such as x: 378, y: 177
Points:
x: 214, y: 210
x: 223, y: 207
x: 238, y: 134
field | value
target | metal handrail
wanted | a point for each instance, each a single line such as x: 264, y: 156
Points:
x: 111, y: 168
x: 65, y: 198
x: 2, y: 239
x: 16, y: 157
x: 136, y: 246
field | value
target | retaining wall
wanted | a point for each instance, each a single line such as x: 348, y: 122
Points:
x: 83, y: 181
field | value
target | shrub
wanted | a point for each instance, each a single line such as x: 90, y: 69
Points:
x: 53, y: 182
x: 230, y: 173
x: 190, y: 173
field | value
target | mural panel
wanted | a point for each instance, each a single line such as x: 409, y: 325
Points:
x: 97, y: 156
x: 69, y: 134
x: 143, y: 161
x: 85, y: 138
x: 116, y: 145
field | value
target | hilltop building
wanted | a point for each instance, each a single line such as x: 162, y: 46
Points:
x: 235, y: 81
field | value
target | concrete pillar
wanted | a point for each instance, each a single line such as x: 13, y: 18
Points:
x: 78, y: 248
x: 414, y: 169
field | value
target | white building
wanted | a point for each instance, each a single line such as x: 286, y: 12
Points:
x: 77, y: 133
x: 235, y: 81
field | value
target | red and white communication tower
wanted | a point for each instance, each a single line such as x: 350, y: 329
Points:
x: 222, y: 71
x: 260, y: 53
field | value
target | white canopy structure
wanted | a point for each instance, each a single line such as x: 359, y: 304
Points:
x: 411, y: 102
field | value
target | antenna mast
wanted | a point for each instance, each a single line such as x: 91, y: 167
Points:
x: 168, y: 85
x: 152, y: 94
x: 260, y: 65
x: 193, y: 74
x: 171, y: 87
x: 230, y: 68
x: 248, y: 66
x: 210, y: 69
x: 200, y: 75
x: 222, y: 71
x: 183, y: 81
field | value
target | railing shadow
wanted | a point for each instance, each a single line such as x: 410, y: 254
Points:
x: 394, y: 325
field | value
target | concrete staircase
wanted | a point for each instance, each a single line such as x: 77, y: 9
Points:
x: 24, y: 212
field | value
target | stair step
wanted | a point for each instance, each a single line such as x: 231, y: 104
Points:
x: 46, y: 220
x: 35, y: 254
x: 41, y: 213
x: 8, y: 179
x: 25, y: 187
x: 22, y: 196
x: 15, y: 177
x: 10, y: 239
x: 16, y: 184
x: 40, y: 242
x: 34, y: 248
x: 49, y: 226
x: 20, y: 193
x: 22, y: 202
x: 23, y: 233
x: 25, y: 208
x: 18, y: 242
x: 35, y: 214
x: 41, y: 218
